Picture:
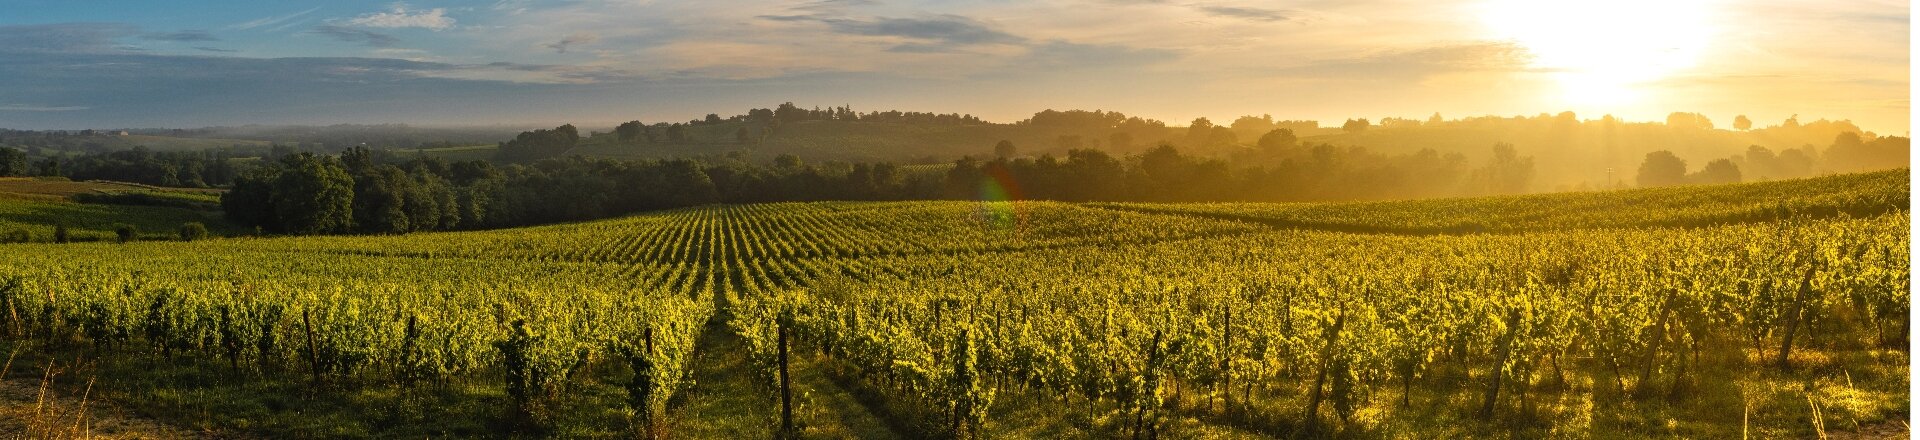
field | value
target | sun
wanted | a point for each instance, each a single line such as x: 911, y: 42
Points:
x: 1602, y: 53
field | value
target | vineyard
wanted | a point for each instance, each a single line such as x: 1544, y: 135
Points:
x: 1765, y: 310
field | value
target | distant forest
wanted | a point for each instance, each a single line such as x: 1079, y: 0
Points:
x: 561, y: 174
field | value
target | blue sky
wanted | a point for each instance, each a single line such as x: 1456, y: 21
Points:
x: 106, y: 64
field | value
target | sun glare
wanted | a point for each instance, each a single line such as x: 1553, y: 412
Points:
x: 1602, y: 52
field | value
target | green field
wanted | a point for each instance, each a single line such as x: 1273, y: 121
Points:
x: 1858, y: 195
x: 1766, y: 310
x: 38, y: 206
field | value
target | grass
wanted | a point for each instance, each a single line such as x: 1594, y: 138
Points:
x: 36, y: 206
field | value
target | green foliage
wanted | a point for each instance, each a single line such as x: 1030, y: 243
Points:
x: 125, y: 232
x: 1662, y: 168
x: 176, y: 199
x: 191, y: 231
x: 539, y: 144
x: 1858, y: 195
x: 313, y: 195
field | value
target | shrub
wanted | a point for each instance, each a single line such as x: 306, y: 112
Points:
x: 191, y: 231
x: 60, y: 234
x: 124, y: 232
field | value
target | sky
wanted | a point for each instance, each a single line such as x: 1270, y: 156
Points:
x: 141, y: 63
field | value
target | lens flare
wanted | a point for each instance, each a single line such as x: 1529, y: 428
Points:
x: 1000, y: 200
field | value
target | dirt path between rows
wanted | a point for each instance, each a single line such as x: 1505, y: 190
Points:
x: 30, y: 411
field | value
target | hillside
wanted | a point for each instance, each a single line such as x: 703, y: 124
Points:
x: 1036, y: 313
x: 37, y: 206
x: 851, y: 141
x: 1856, y: 195
x: 104, y: 141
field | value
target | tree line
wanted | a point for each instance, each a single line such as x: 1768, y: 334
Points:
x: 1849, y: 152
x: 369, y: 191
x: 372, y: 191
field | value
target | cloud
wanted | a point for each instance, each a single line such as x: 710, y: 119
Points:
x: 351, y: 35
x: 1255, y: 14
x: 64, y: 37
x: 570, y: 40
x: 269, y: 21
x: 824, y: 6
x: 1417, y: 64
x: 1059, y: 54
x: 184, y: 36
x: 39, y: 108
x: 950, y: 29
x: 930, y: 34
x: 400, y: 17
x: 213, y: 49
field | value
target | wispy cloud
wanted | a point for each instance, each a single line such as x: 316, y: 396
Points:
x: 352, y: 35
x: 270, y: 21
x: 213, y: 49
x: 182, y: 36
x: 927, y: 34
x: 65, y: 37
x: 571, y: 40
x: 401, y: 17
x: 1256, y: 14
x: 39, y: 108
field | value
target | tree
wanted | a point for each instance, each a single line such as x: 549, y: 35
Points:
x: 1120, y: 141
x: 60, y: 234
x: 1761, y: 163
x: 430, y: 203
x: 741, y: 135
x: 1356, y: 125
x: 1278, y: 139
x: 13, y: 162
x: 1851, y: 152
x: 539, y: 144
x: 313, y: 195
x: 1004, y: 149
x: 1689, y: 120
x: 191, y: 231
x: 51, y: 167
x: 1506, y: 172
x: 1069, y: 141
x: 1199, y: 132
x: 250, y: 201
x: 1740, y: 122
x: 379, y: 201
x: 629, y: 131
x: 1662, y: 168
x: 1252, y: 125
x: 676, y: 133
x: 1717, y: 172
x: 1222, y: 136
x: 124, y: 232
x: 787, y: 112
